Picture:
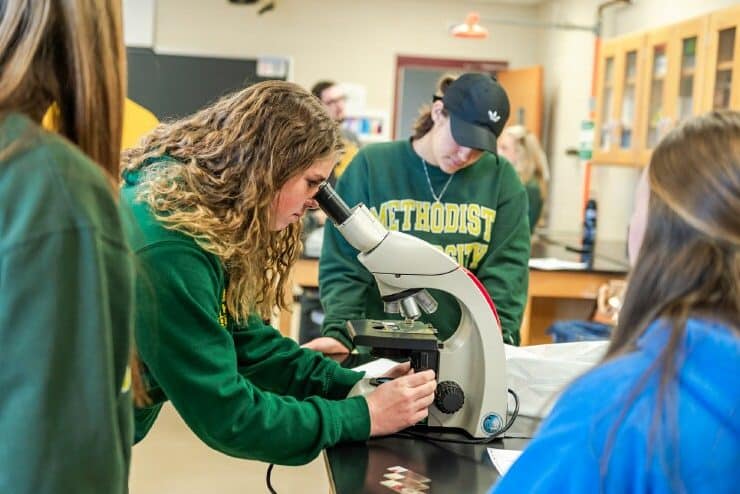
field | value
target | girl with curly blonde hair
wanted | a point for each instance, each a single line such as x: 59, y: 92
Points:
x: 215, y: 201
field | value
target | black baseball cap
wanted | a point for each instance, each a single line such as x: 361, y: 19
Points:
x: 479, y: 108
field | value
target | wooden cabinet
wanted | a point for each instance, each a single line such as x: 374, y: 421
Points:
x: 619, y: 89
x: 673, y: 81
x: 679, y: 71
x: 722, y: 88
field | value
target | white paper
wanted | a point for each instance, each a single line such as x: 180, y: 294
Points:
x: 553, y: 264
x: 502, y: 459
x: 376, y: 368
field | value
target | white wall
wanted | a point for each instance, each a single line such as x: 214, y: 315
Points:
x: 356, y: 41
x: 138, y: 22
x: 348, y: 40
x: 567, y: 57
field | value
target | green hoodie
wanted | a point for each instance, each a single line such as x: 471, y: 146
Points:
x: 66, y: 315
x: 481, y: 222
x: 244, y: 389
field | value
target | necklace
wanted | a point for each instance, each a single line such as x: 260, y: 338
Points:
x: 437, y: 198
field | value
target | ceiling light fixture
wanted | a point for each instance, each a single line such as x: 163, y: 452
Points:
x: 473, y: 30
x: 470, y: 28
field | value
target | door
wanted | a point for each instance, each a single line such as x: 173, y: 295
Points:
x: 525, y: 90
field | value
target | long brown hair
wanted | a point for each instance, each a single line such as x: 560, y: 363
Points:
x: 232, y: 158
x: 689, y: 261
x: 70, y: 53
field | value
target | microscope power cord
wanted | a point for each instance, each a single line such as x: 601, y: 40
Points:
x: 267, y: 479
x: 425, y: 437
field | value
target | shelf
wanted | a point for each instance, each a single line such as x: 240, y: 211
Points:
x: 369, y: 125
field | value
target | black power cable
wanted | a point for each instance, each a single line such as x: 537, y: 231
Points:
x: 267, y: 479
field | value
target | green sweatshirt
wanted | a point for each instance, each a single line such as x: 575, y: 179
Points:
x: 244, y: 389
x: 534, y: 196
x: 481, y: 222
x: 66, y: 294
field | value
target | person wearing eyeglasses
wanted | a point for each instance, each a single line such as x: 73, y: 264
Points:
x: 334, y: 100
x: 446, y: 186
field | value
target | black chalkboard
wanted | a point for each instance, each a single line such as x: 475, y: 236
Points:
x: 173, y: 86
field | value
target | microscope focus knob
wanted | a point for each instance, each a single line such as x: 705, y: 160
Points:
x: 449, y: 397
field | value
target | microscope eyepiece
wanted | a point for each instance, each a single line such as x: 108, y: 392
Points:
x: 333, y: 205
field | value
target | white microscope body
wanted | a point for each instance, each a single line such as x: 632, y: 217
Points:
x: 471, y: 393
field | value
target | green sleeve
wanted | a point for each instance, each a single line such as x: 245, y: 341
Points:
x: 277, y: 364
x: 343, y: 281
x: 505, y: 271
x: 144, y: 419
x: 195, y: 362
x: 534, y: 197
x: 62, y: 404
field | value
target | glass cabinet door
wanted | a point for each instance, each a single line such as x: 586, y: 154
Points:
x: 606, y: 122
x: 655, y: 108
x: 723, y: 69
x: 686, y: 78
x: 619, y: 91
x: 690, y: 42
x: 657, y: 117
x: 629, y: 100
x: 723, y: 88
x: 673, y: 80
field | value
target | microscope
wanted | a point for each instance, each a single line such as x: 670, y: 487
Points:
x: 471, y: 392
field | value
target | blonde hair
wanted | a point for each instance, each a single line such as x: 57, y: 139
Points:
x: 70, y: 53
x: 232, y: 159
x: 530, y: 161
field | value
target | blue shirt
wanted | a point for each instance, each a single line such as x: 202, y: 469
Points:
x: 700, y: 453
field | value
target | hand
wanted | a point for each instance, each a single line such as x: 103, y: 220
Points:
x: 326, y: 345
x: 400, y: 403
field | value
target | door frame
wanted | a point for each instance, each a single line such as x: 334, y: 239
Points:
x: 451, y: 64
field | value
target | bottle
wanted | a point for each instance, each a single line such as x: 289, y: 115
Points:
x: 589, y: 226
